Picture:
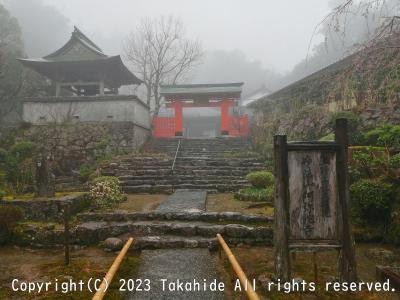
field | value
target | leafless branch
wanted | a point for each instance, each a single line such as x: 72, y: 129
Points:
x: 159, y: 52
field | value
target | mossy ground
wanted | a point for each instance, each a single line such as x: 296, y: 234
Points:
x: 257, y: 261
x: 142, y: 202
x: 226, y: 202
x: 31, y: 196
x: 48, y: 265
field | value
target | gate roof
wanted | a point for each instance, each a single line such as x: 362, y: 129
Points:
x: 201, y: 91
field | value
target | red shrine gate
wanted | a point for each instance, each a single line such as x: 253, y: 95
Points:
x: 225, y: 96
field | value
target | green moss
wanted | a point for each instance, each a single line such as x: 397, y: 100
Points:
x: 31, y: 196
x: 260, y: 179
x: 255, y: 194
x: 371, y: 201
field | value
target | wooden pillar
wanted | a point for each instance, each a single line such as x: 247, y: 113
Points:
x: 281, y: 214
x: 347, y: 262
x: 178, y: 118
x: 224, y: 117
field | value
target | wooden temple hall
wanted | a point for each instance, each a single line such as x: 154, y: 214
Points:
x: 185, y: 102
x: 81, y: 68
x: 86, y: 87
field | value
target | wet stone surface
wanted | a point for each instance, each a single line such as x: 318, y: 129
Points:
x: 184, y: 201
x: 185, y: 265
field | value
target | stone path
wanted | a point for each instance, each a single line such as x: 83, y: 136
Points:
x: 185, y: 265
x: 184, y: 201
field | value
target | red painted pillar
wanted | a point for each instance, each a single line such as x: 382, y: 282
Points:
x: 225, y: 117
x: 178, y: 118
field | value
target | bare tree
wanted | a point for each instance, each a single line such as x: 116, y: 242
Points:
x: 160, y: 53
x: 9, y: 89
x: 382, y: 20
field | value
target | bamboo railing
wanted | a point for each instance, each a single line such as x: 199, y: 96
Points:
x: 111, y: 272
x: 250, y: 293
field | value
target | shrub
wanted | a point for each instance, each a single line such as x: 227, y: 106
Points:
x: 9, y: 216
x: 394, y: 228
x: 394, y: 161
x: 328, y: 137
x: 85, y: 170
x: 18, y: 167
x: 254, y: 194
x: 260, y: 179
x: 386, y: 135
x: 22, y: 150
x: 370, y: 162
x: 3, y: 155
x: 106, y: 192
x: 371, y: 201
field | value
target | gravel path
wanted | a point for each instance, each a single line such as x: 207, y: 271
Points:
x: 185, y: 265
x: 184, y: 201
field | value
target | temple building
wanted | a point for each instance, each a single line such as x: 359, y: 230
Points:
x: 86, y: 87
x: 187, y: 102
x: 81, y: 68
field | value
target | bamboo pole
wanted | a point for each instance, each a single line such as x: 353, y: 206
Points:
x: 111, y: 272
x: 66, y: 234
x: 251, y: 294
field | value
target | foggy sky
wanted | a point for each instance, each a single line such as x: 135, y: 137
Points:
x: 274, y: 32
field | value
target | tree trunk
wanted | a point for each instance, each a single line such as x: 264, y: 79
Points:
x: 148, y: 87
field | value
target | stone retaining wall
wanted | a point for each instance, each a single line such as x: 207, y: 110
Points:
x: 314, y: 121
x: 123, y: 216
x: 76, y: 143
x: 49, y: 210
x: 147, y: 235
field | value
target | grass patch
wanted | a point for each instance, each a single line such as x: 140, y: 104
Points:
x: 226, y: 202
x: 85, y: 264
x: 257, y: 261
x: 255, y: 194
x: 142, y: 202
x: 31, y: 196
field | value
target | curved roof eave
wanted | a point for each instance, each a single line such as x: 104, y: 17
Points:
x: 115, y: 60
x: 72, y: 40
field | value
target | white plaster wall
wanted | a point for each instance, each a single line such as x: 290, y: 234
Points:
x: 142, y: 115
x: 86, y: 111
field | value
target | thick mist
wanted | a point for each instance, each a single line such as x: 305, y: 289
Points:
x: 266, y: 44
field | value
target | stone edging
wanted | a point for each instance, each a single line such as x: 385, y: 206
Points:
x: 123, y: 216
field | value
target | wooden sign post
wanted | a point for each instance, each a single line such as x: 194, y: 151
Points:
x: 312, y: 201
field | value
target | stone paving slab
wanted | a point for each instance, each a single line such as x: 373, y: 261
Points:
x: 184, y: 201
x: 185, y: 265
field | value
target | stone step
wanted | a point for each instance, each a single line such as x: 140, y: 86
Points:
x: 223, y: 172
x: 94, y: 232
x: 168, y: 189
x: 175, y: 177
x: 207, y: 217
x: 172, y: 242
x: 150, y: 189
x: 182, y: 181
x: 185, y: 172
x: 178, y: 242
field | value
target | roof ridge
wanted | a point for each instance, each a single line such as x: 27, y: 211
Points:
x: 202, y: 85
x: 81, y: 35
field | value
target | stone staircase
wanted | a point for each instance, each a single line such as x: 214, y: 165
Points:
x: 215, y: 165
x: 154, y: 230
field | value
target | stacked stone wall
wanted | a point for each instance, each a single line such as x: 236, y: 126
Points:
x: 73, y: 144
x: 313, y: 122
